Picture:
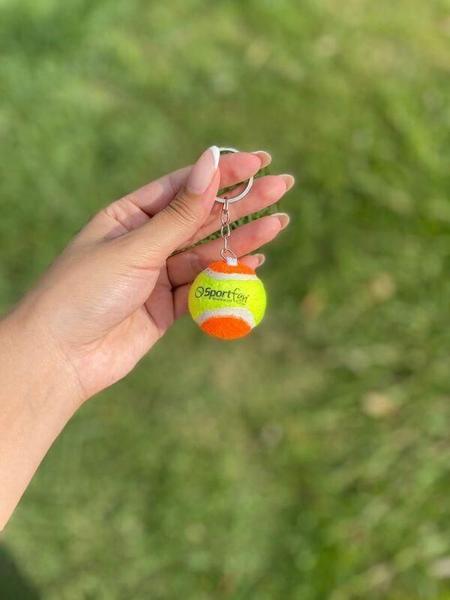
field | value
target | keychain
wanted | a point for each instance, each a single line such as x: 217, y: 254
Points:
x: 227, y: 300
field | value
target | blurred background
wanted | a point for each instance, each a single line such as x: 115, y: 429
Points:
x: 311, y: 460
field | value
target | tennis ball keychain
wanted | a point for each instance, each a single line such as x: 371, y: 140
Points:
x: 227, y: 300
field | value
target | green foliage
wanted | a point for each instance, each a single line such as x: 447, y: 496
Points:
x: 311, y: 460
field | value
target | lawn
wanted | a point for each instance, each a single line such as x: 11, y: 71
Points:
x: 311, y: 460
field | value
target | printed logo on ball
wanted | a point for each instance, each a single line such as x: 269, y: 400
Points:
x: 232, y: 295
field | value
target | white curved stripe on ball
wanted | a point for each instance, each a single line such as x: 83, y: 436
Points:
x: 224, y: 276
x: 239, y: 313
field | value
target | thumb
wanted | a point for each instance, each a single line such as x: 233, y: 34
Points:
x: 180, y: 219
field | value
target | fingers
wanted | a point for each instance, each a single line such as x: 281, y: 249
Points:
x: 265, y: 192
x: 239, y: 166
x: 234, y: 168
x: 150, y: 245
x: 185, y: 266
x: 135, y: 209
x: 181, y: 293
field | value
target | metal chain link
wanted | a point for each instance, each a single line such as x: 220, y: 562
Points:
x: 225, y: 232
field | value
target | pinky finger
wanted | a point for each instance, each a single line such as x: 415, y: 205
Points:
x: 181, y: 293
x: 253, y: 260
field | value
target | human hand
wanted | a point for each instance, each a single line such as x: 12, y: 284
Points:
x: 118, y: 287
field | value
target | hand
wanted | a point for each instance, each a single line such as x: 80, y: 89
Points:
x: 110, y: 296
x: 118, y: 286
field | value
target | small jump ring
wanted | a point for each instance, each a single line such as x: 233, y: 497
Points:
x: 229, y: 256
x: 246, y: 190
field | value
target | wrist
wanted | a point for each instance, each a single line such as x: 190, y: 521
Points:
x: 35, y: 360
x: 38, y: 395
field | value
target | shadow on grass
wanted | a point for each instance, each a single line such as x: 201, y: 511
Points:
x: 14, y: 585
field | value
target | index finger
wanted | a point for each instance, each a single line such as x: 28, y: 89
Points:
x: 138, y: 207
x: 234, y: 168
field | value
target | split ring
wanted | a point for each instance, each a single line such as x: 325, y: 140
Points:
x: 244, y: 192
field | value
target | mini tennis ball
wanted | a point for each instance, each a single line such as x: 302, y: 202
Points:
x: 227, y: 300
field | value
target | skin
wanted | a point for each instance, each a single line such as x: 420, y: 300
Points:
x: 108, y: 298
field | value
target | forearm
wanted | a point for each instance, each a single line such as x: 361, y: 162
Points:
x: 38, y: 395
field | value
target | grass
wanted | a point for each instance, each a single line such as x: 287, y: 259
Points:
x: 310, y: 461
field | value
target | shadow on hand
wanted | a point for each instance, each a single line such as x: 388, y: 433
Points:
x: 14, y: 585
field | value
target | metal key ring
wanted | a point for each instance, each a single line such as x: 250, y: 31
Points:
x: 246, y: 190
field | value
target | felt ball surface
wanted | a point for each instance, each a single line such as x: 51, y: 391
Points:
x: 227, y: 301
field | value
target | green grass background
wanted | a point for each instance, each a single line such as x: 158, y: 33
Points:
x: 310, y: 461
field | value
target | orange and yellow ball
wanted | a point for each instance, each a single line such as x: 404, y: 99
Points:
x: 227, y: 300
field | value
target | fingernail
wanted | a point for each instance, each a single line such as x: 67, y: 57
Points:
x: 260, y: 258
x: 264, y: 157
x: 289, y: 180
x: 203, y: 171
x: 283, y: 218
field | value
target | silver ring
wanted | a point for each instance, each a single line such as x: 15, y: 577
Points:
x: 246, y: 190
